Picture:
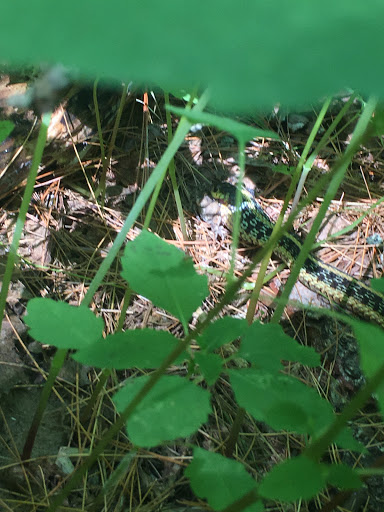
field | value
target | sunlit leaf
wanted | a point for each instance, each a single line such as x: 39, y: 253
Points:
x: 62, y: 325
x: 163, y: 274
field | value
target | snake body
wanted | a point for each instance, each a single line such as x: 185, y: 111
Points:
x: 256, y: 228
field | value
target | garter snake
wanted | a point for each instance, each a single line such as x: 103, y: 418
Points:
x: 256, y: 228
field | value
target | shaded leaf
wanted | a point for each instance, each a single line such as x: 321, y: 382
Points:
x: 211, y: 365
x: 263, y: 394
x: 346, y: 441
x: 344, y: 477
x: 267, y: 345
x: 222, y: 331
x: 294, y: 479
x: 219, y: 480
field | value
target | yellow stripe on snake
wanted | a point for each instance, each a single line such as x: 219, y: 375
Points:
x: 256, y: 228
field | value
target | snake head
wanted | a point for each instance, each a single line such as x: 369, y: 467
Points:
x: 224, y: 193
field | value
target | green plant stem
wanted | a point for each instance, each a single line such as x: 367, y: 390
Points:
x: 302, y: 169
x: 104, y: 161
x: 338, y: 174
x: 241, y: 412
x: 56, y: 365
x: 111, y: 145
x: 297, y: 174
x: 316, y: 449
x: 235, y: 431
x: 172, y: 172
x: 254, y: 298
x: 12, y: 255
x: 276, y: 234
x: 327, y: 135
x: 115, y: 428
x: 156, y: 177
x: 342, y: 496
x: 237, y: 215
x: 227, y: 297
x: 159, y: 183
x: 106, y: 371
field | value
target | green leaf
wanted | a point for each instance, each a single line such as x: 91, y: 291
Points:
x: 344, y: 477
x: 263, y: 394
x: 222, y: 331
x: 293, y: 479
x: 140, y: 348
x: 174, y: 408
x: 241, y: 131
x: 211, y: 365
x: 219, y: 480
x: 270, y: 32
x: 289, y: 414
x: 62, y: 325
x: 6, y: 128
x: 163, y: 274
x: 267, y: 345
x: 346, y: 441
x: 371, y: 342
